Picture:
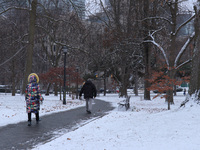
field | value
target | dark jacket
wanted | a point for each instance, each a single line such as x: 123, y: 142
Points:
x: 89, y: 90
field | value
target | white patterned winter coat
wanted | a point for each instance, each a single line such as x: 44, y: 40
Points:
x: 33, y: 95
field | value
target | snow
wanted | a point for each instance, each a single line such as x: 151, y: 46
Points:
x: 13, y: 108
x: 147, y: 125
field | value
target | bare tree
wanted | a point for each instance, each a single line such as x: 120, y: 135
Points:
x: 49, y: 31
x: 146, y: 51
x: 121, y: 40
x: 29, y: 58
x: 13, y: 47
x: 195, y: 75
x: 170, y: 53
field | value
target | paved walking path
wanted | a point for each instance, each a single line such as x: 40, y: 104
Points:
x: 20, y: 136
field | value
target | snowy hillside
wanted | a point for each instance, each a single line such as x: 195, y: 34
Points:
x: 148, y: 125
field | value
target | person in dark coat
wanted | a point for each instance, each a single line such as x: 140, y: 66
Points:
x: 90, y: 92
x: 33, y: 97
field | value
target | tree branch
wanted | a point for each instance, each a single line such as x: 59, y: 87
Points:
x: 19, y: 8
x: 184, y: 63
x: 158, y: 45
x: 161, y: 49
x: 185, y: 46
x: 186, y: 22
x: 161, y: 18
x: 12, y: 56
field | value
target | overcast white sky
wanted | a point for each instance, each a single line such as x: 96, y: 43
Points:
x: 92, y: 5
x: 188, y: 4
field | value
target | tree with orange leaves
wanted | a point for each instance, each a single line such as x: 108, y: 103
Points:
x: 161, y: 83
x: 55, y: 77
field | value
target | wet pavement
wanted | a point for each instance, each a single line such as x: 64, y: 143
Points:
x: 22, y: 137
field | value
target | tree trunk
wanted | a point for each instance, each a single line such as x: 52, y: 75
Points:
x: 136, y: 83
x: 174, y: 90
x: 104, y: 84
x: 146, y: 76
x: 13, y: 78
x: 56, y: 89
x: 48, y: 88
x: 60, y: 92
x: 124, y: 82
x: 195, y: 73
x: 29, y: 58
x: 171, y: 49
x: 146, y: 53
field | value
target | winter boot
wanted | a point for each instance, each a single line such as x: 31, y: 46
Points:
x: 29, y: 123
x: 89, y: 112
x: 37, y: 118
x: 37, y: 121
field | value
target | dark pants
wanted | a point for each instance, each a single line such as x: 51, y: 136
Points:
x: 36, y: 115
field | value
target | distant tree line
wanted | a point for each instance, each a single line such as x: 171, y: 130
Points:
x: 127, y: 39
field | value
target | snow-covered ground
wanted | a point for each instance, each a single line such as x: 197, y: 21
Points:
x: 148, y: 125
x: 13, y: 108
